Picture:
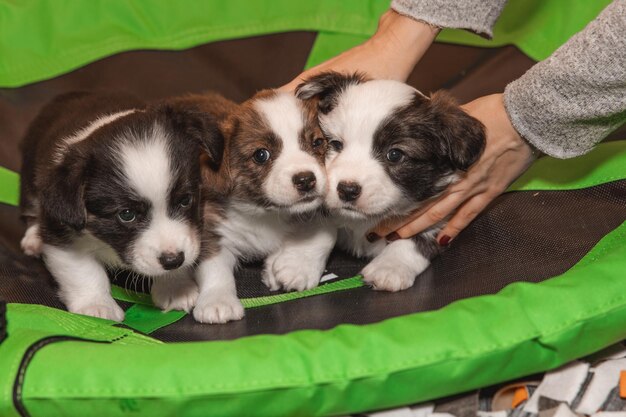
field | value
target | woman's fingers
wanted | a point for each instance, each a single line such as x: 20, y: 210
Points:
x: 464, y: 216
x: 430, y: 214
x: 435, y: 214
x: 387, y: 226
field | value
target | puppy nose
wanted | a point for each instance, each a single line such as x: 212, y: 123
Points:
x: 348, y: 191
x: 170, y: 260
x: 304, y: 181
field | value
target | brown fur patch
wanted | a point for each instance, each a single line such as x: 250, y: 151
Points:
x: 311, y: 138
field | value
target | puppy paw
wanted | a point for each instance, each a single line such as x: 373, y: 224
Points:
x: 174, y: 294
x: 31, y: 242
x: 267, y: 277
x: 293, y: 273
x: 387, y: 277
x: 218, y: 309
x: 104, y: 310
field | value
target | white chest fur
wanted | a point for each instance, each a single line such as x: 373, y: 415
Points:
x: 351, y: 237
x: 251, y: 234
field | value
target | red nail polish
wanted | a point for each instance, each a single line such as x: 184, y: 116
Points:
x: 445, y: 240
x: 391, y: 237
x: 372, y: 237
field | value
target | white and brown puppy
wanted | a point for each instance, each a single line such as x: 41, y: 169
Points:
x: 273, y: 162
x: 108, y: 181
x: 390, y: 149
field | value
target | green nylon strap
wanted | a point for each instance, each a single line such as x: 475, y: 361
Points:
x: 143, y: 316
x: 348, y: 369
x: 344, y: 284
x: 40, y: 39
x: 147, y: 318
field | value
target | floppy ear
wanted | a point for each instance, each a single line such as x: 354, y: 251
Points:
x: 462, y: 136
x: 326, y: 86
x: 62, y: 199
x: 201, y: 127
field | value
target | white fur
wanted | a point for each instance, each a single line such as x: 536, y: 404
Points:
x: 165, y: 234
x: 175, y: 291
x: 248, y: 233
x: 218, y: 302
x: 396, y: 267
x: 301, y: 260
x: 84, y: 133
x: 83, y: 283
x: 31, y: 242
x: 359, y: 112
x: 283, y: 114
x: 79, y: 268
x: 252, y: 232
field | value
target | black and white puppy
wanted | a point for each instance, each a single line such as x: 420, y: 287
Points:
x: 108, y: 181
x: 390, y: 150
x: 274, y: 166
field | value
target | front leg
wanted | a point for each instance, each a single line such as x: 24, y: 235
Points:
x: 217, y: 302
x: 300, y: 262
x: 396, y: 267
x: 31, y: 242
x: 83, y: 282
x: 176, y: 290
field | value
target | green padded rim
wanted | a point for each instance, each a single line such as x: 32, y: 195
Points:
x: 64, y: 35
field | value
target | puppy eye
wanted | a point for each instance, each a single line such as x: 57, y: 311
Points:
x: 261, y: 156
x: 336, y: 145
x: 317, y: 142
x: 127, y: 215
x: 395, y: 155
x: 185, y: 201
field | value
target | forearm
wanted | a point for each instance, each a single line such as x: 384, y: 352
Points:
x: 400, y: 42
x: 575, y: 98
x: 478, y: 16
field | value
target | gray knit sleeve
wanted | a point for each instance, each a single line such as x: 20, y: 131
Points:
x: 479, y: 16
x: 575, y: 98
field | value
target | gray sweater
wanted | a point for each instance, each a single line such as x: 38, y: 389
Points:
x: 567, y: 103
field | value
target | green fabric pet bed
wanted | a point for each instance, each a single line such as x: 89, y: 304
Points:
x: 537, y: 280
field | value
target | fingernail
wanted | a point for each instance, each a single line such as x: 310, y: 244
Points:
x: 445, y: 240
x: 372, y: 237
x: 391, y: 237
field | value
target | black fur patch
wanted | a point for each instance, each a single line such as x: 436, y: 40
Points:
x: 87, y: 189
x: 326, y: 87
x: 436, y: 139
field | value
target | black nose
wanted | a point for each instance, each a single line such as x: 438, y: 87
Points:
x: 171, y: 260
x: 304, y: 181
x: 348, y: 191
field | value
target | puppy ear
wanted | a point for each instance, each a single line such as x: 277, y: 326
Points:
x: 462, y: 136
x: 62, y: 200
x: 203, y: 128
x: 326, y: 86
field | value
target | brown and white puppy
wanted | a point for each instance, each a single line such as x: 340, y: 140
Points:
x: 390, y: 150
x: 108, y: 181
x: 273, y: 160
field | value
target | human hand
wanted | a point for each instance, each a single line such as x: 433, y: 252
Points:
x: 391, y: 53
x: 505, y: 158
